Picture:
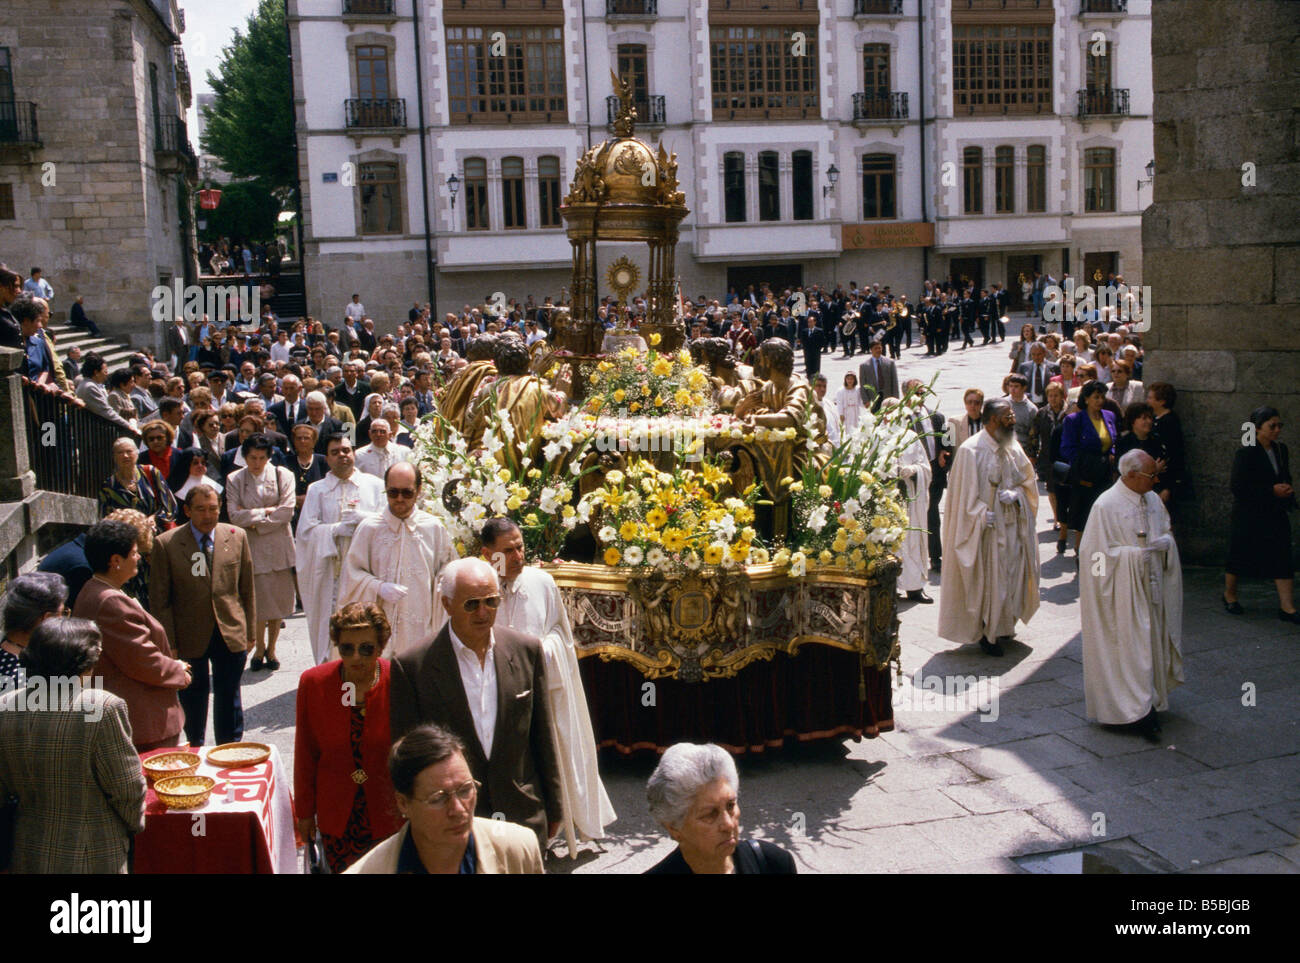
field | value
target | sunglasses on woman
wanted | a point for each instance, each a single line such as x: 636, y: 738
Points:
x: 367, y: 649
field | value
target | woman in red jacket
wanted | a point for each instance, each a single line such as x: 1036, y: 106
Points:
x: 340, y: 765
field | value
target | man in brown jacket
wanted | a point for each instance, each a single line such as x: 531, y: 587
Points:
x: 201, y: 590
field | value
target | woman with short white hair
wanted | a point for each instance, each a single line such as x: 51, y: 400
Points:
x: 693, y: 795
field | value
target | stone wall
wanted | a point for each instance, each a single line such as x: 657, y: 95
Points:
x: 1222, y: 257
x: 100, y: 220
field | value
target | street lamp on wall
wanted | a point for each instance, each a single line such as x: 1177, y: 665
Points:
x: 453, y: 185
x: 1151, y: 173
x: 832, y: 175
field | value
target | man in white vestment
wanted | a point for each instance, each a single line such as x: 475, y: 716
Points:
x: 914, y: 471
x: 382, y: 453
x: 990, y: 572
x: 331, y: 512
x: 531, y: 603
x: 395, y: 559
x: 1130, y: 602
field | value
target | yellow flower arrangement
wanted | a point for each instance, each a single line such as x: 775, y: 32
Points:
x: 612, y: 556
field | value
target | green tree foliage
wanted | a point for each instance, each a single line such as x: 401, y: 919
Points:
x: 250, y: 123
x: 247, y: 212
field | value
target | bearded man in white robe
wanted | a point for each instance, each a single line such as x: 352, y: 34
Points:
x: 395, y: 559
x: 914, y: 472
x: 531, y: 603
x: 990, y: 572
x: 331, y: 512
x: 1130, y: 602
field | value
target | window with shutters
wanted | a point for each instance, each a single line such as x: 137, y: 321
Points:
x: 1099, y: 179
x: 1004, y: 180
x: 548, y: 190
x: 878, y: 187
x: 512, y: 193
x: 381, y: 205
x: 972, y: 180
x: 1036, y: 178
x: 733, y: 186
x: 476, y: 194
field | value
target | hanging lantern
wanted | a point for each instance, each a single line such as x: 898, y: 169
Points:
x: 209, y: 199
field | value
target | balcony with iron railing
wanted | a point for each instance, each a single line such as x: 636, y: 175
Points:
x: 18, y: 124
x: 1108, y: 7
x: 370, y: 9
x: 883, y: 106
x: 182, y: 68
x: 877, y: 8
x: 631, y: 9
x: 172, y: 150
x: 1103, y: 102
x: 375, y: 114
x: 651, y: 113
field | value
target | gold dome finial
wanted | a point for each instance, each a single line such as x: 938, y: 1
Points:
x: 625, y: 120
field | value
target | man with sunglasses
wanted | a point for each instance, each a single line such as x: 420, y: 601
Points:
x: 395, y: 558
x: 331, y: 512
x: 487, y: 684
x: 531, y: 603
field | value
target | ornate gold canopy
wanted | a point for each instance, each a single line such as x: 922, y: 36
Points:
x: 623, y: 190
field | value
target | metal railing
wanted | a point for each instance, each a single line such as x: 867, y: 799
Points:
x: 878, y: 106
x: 70, y: 449
x: 182, y: 67
x: 18, y: 122
x: 650, y: 112
x: 173, y: 136
x: 631, y: 8
x: 1103, y: 6
x: 375, y: 113
x: 382, y: 8
x: 865, y: 8
x: 1102, y: 102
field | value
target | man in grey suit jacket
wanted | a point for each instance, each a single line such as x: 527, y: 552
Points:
x: 487, y: 684
x: 1038, y: 372
x: 877, y: 377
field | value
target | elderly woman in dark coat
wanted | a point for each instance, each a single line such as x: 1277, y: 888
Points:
x: 1259, y: 539
x: 77, y: 776
x: 693, y: 795
x: 1088, y: 439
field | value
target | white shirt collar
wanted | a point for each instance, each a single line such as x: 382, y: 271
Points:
x: 463, y: 651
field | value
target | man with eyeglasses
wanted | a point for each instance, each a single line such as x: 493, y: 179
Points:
x: 1130, y: 602
x: 438, y: 795
x: 486, y: 683
x: 395, y: 558
x: 331, y: 512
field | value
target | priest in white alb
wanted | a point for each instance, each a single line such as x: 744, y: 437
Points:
x: 1130, y: 602
x: 914, y: 473
x: 990, y: 570
x: 331, y: 512
x: 395, y: 559
x: 531, y: 603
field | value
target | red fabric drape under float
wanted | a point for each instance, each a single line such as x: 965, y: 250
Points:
x: 812, y: 695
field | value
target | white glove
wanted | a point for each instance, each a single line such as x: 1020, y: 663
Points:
x: 351, y: 517
x: 1008, y: 496
x: 907, y: 471
x: 345, y: 529
x: 392, y: 592
x: 990, y: 517
x: 1161, y: 543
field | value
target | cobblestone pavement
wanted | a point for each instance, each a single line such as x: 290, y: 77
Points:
x: 954, y: 790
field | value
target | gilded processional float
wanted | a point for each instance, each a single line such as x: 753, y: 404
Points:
x: 705, y: 535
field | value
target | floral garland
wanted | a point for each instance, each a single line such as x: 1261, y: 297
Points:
x: 673, y: 521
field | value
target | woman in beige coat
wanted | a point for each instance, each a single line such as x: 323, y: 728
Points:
x: 260, y: 499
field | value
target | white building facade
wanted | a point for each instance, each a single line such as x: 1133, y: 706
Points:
x: 817, y: 140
